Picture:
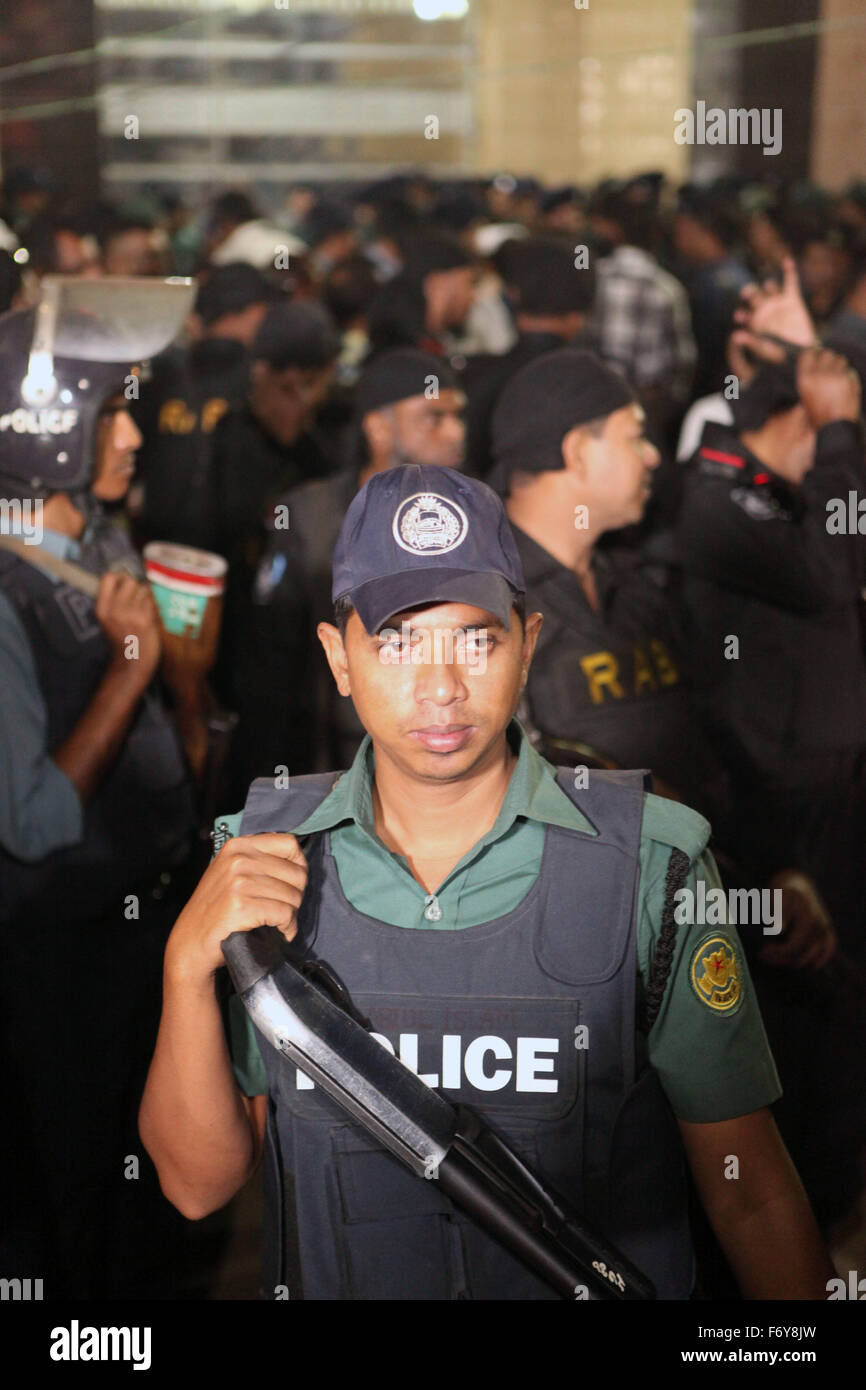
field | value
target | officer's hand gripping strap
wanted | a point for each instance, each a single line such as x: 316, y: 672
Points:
x: 418, y: 1125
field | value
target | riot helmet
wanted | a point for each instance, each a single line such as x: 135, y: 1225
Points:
x: 60, y: 361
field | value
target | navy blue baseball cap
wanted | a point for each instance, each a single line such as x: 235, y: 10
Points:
x: 425, y: 534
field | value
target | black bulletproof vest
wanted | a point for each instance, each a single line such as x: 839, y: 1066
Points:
x: 493, y: 1015
x: 141, y: 817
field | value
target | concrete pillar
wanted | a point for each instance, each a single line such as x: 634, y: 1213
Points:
x: 573, y: 94
x: 839, y: 107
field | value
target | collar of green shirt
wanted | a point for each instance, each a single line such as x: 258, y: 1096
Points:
x: 63, y: 546
x: 532, y: 793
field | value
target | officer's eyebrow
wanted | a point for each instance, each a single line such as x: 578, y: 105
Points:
x: 396, y: 624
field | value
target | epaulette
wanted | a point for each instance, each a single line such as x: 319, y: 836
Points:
x: 760, y: 494
x: 671, y: 823
x: 721, y: 463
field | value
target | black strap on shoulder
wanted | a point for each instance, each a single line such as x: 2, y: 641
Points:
x: 660, y: 966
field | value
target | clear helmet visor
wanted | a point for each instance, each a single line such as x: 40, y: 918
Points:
x: 111, y: 320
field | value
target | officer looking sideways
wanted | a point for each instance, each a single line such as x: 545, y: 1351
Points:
x: 408, y: 409
x: 96, y: 812
x: 608, y: 679
x: 476, y: 905
x: 573, y: 461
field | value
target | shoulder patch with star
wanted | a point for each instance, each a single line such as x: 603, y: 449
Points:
x: 715, y: 974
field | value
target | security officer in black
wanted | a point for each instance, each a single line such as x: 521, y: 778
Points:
x: 261, y: 448
x: 98, y: 814
x: 268, y: 442
x: 480, y: 907
x: 408, y: 409
x: 188, y: 391
x: 773, y: 610
x: 607, y: 683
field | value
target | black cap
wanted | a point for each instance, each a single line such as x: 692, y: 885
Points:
x: 543, y: 401
x: 296, y: 335
x: 229, y: 289
x: 326, y: 218
x: 541, y: 273
x: 557, y: 197
x: 423, y: 534
x: 457, y: 209
x: 429, y: 252
x: 397, y: 376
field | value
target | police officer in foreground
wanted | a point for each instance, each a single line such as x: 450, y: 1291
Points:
x: 480, y: 909
x: 96, y: 815
x: 408, y: 409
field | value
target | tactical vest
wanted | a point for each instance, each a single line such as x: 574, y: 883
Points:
x: 530, y: 1019
x: 141, y: 817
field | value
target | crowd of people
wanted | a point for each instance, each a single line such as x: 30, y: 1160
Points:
x: 663, y: 385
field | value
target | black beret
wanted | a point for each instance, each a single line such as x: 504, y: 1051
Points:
x: 543, y: 401
x: 229, y: 289
x: 435, y: 251
x: 296, y: 335
x: 544, y: 279
x: 399, y: 375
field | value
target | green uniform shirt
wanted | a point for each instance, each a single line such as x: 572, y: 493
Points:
x: 712, y: 1056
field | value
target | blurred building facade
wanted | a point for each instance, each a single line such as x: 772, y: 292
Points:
x: 197, y: 95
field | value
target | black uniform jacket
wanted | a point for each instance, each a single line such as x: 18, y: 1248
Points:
x: 612, y: 679
x: 773, y: 607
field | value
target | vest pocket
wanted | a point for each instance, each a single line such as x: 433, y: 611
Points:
x: 394, y: 1229
x: 569, y: 946
x: 493, y: 1272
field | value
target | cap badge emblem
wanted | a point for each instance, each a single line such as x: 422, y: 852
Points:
x: 429, y: 524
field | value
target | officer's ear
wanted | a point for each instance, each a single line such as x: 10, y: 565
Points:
x: 575, y: 451
x: 335, y: 651
x: 531, y: 630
